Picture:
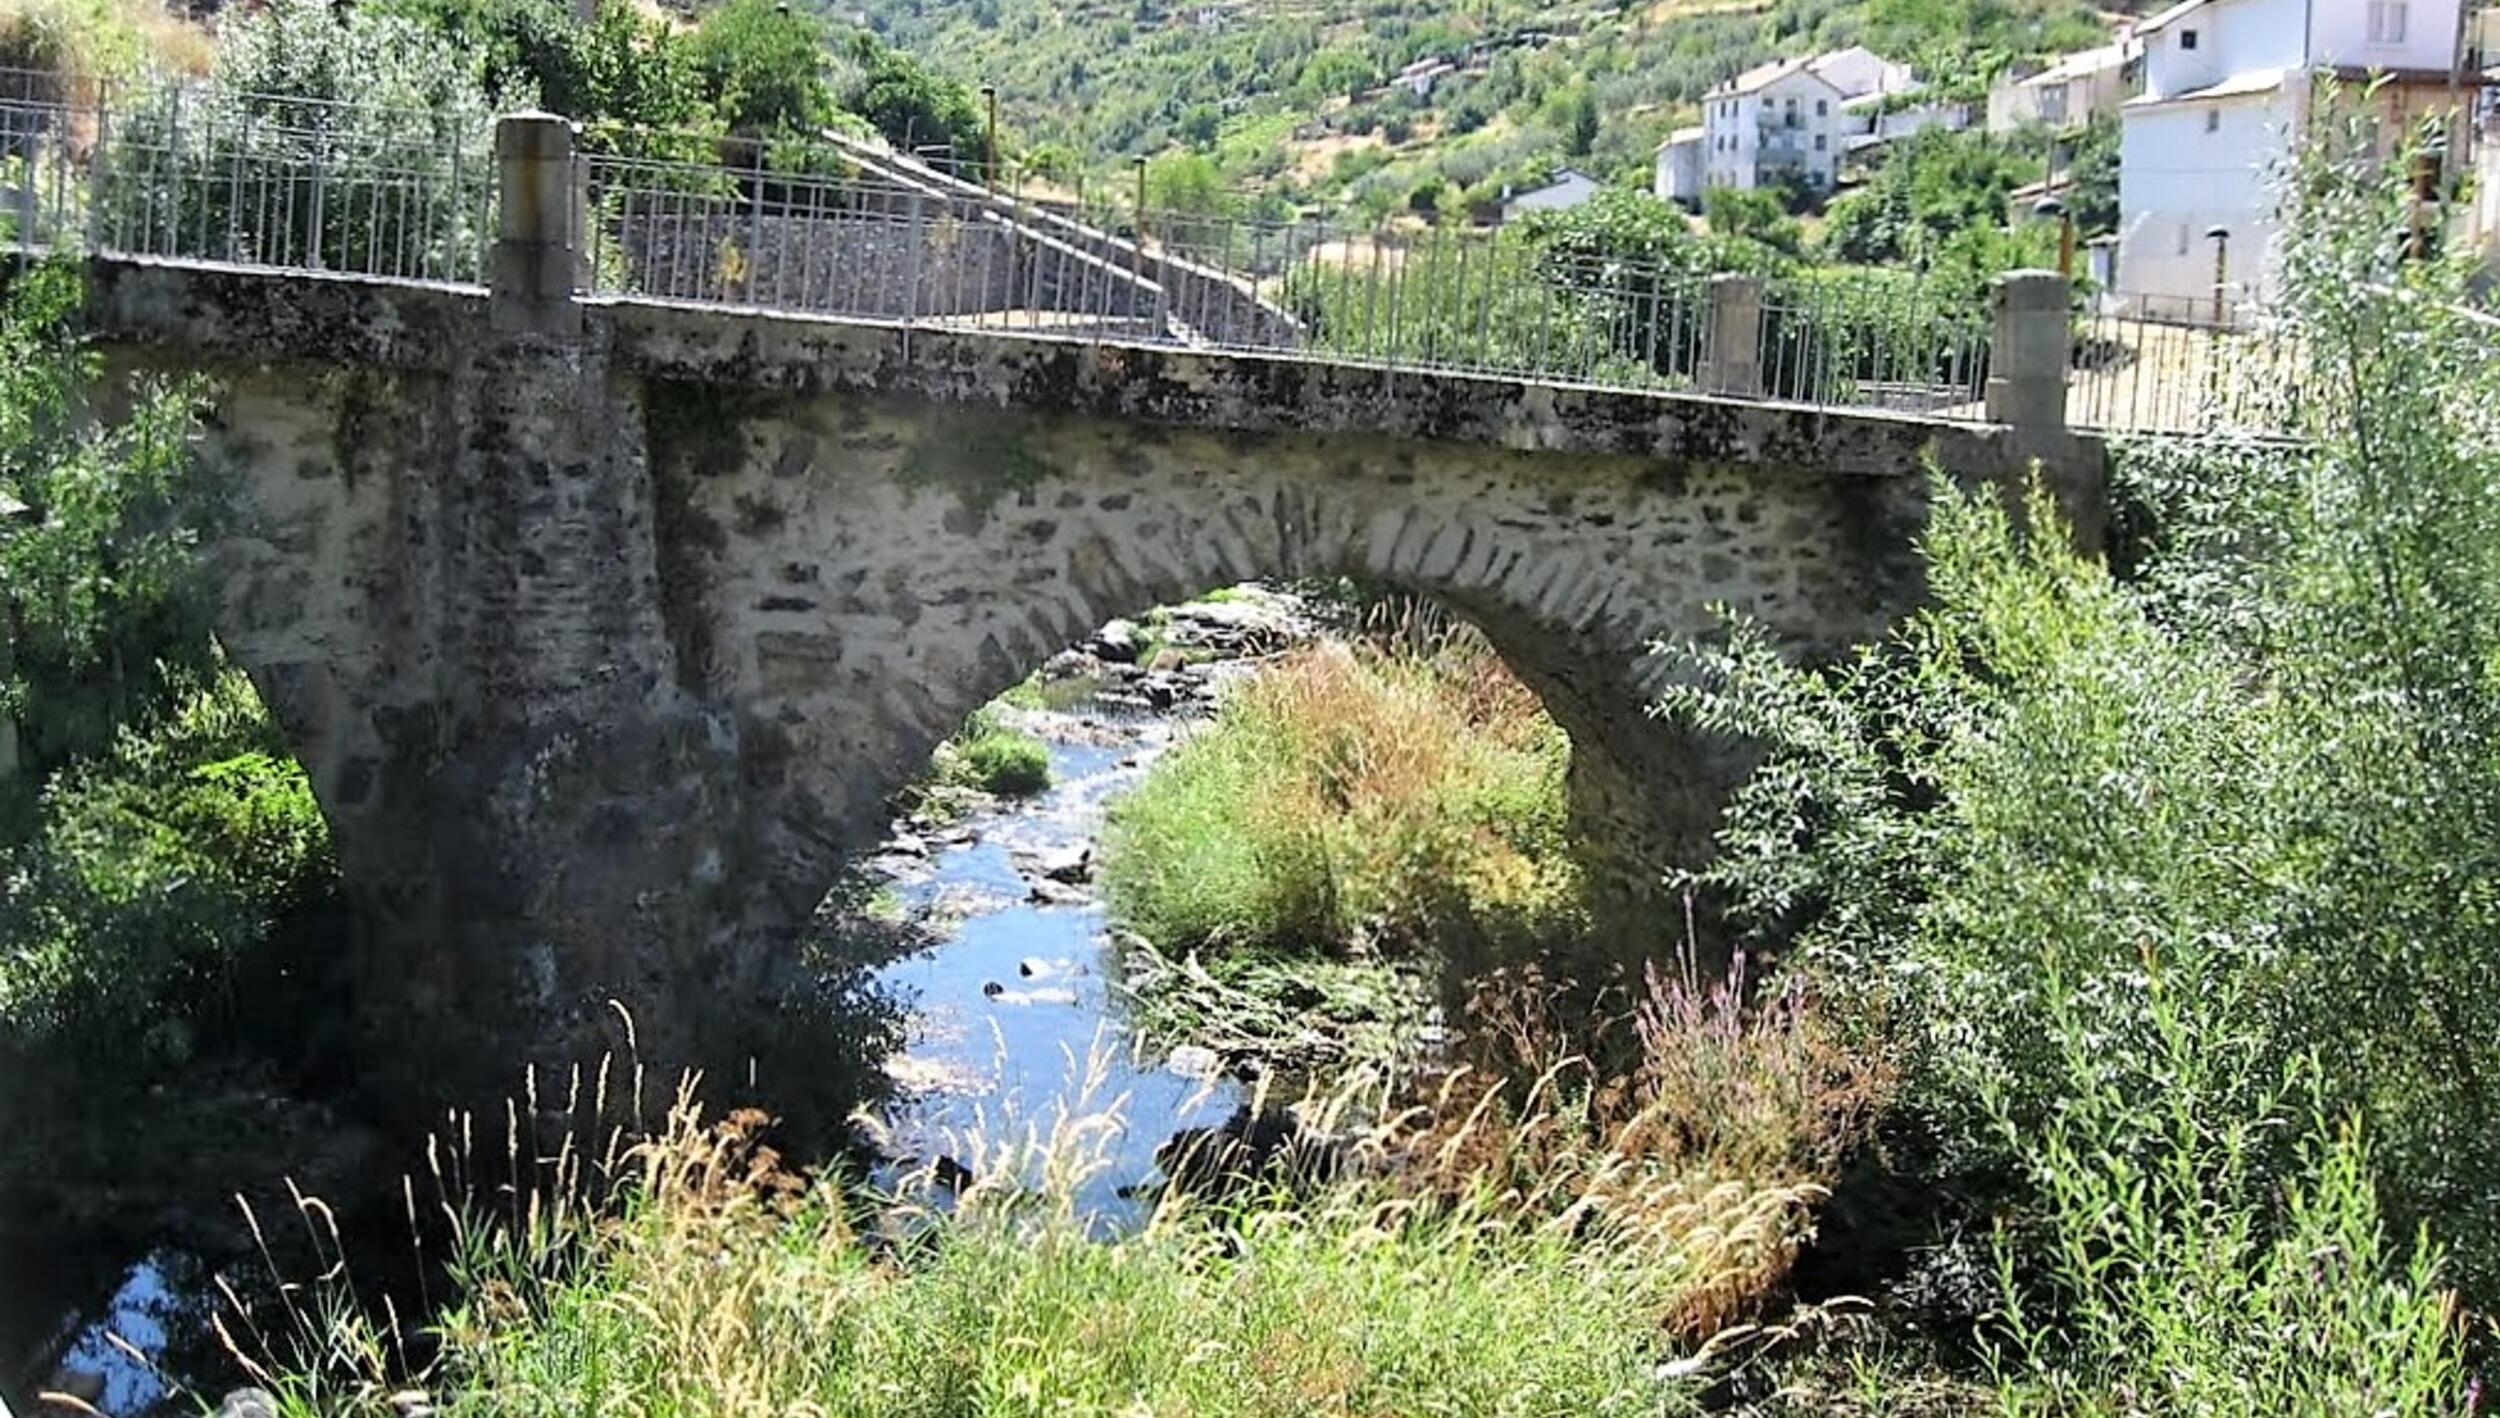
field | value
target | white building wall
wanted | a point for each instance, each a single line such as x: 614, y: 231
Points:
x: 1678, y: 177
x: 1810, y: 143
x: 2187, y: 167
x: 1859, y: 70
x: 2229, y: 37
x: 2341, y: 33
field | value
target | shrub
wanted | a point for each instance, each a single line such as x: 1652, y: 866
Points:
x: 1343, y: 801
x: 157, y: 868
x: 2248, y: 799
x: 2180, y: 1279
x: 1007, y: 762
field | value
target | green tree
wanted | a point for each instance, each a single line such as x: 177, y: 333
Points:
x: 763, y: 62
x: 902, y: 99
x: 2254, y: 783
x: 99, y: 524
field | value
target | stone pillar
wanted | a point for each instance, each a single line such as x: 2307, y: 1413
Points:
x: 1731, y: 361
x: 536, y: 258
x: 2027, y: 353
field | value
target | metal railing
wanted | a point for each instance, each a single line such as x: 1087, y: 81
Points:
x: 186, y: 170
x: 191, y: 171
x: 1497, y: 302
x: 2181, y: 366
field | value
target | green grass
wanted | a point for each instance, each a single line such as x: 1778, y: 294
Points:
x: 1343, y: 802
x: 681, y: 1312
x: 989, y: 756
x: 1008, y: 762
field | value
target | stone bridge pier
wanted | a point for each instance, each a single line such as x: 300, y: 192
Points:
x: 605, y: 639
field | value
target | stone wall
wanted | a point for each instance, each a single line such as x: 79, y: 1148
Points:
x: 603, y: 652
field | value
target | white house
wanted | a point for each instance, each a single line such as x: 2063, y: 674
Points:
x: 2228, y: 86
x: 1858, y: 71
x: 1679, y: 166
x: 1776, y: 118
x: 2068, y: 93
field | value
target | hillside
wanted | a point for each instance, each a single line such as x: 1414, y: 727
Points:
x: 1290, y: 98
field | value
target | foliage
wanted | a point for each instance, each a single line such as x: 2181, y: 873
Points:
x: 82, y: 43
x: 1346, y: 802
x: 302, y: 49
x: 619, y: 70
x: 98, y: 589
x: 990, y: 756
x: 2180, y: 1280
x: 156, y: 869
x: 386, y: 116
x: 1534, y: 88
x: 1931, y: 187
x: 2091, y: 194
x: 1752, y: 214
x: 1463, y: 1258
x: 763, y: 63
x: 911, y: 104
x: 2244, y: 801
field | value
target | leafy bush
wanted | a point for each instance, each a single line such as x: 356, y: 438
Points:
x: 2183, y: 1276
x: 2240, y: 810
x: 156, y: 869
x: 617, y: 71
x: 1007, y: 762
x: 98, y: 587
x: 1343, y: 801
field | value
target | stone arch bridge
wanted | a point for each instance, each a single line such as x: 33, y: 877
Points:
x: 604, y: 642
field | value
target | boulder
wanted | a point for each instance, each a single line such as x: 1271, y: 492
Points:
x: 248, y: 1403
x: 1053, y: 893
x: 1115, y: 644
x: 1194, y: 1061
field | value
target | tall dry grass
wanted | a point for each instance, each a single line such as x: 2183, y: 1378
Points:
x: 1569, y: 1245
x: 1346, y: 800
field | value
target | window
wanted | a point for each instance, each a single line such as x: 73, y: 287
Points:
x: 2213, y: 120
x: 2387, y: 21
x: 1822, y: 108
x: 1820, y: 142
x: 2187, y: 39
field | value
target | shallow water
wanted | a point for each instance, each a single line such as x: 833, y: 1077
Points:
x: 985, y: 1053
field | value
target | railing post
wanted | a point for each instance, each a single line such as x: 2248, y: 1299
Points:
x: 2028, y: 350
x: 532, y: 281
x: 1731, y: 360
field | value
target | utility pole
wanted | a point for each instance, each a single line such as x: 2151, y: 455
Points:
x: 989, y: 174
x: 2220, y: 236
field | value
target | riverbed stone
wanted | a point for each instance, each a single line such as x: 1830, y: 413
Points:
x: 1195, y: 1061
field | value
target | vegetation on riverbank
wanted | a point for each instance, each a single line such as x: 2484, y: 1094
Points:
x: 1344, y: 802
